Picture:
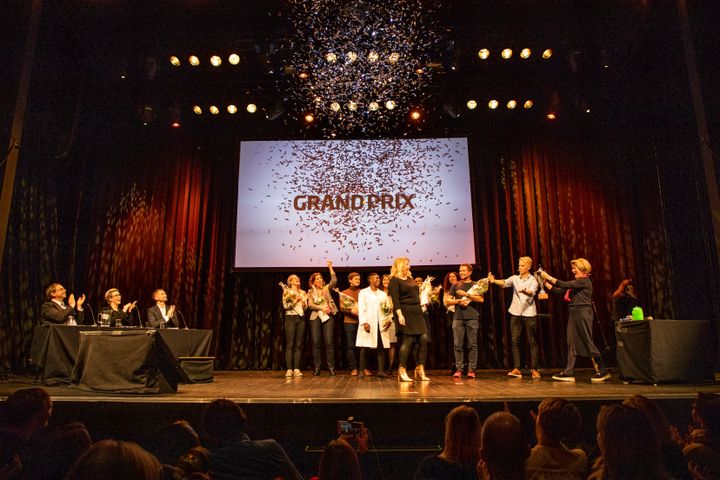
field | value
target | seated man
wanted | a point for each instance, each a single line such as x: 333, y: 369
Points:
x: 233, y: 455
x: 55, y: 311
x: 160, y: 315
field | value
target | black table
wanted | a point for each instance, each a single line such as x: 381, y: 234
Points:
x: 55, y: 348
x: 664, y: 351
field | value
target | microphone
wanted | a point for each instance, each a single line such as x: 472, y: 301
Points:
x: 182, y: 317
x: 138, y: 314
x: 92, y: 314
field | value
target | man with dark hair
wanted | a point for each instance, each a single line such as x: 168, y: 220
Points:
x: 23, y: 413
x: 503, y: 450
x: 349, y: 307
x: 160, y: 315
x: 55, y: 311
x: 466, y: 322
x: 233, y: 455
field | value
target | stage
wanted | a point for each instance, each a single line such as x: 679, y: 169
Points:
x: 405, y: 419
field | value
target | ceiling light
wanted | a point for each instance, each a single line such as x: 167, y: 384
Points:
x: 547, y: 53
x: 331, y: 57
x: 528, y: 104
x: 551, y: 116
x: 351, y: 57
x: 303, y: 75
x: 472, y: 104
x: 484, y: 54
x: 309, y: 117
x: 390, y: 105
x: 352, y: 106
x: 251, y: 108
x: 507, y: 53
x: 234, y: 59
x: 231, y: 109
x: 194, y: 61
x: 175, y: 61
x: 373, y: 106
x: 197, y: 109
x: 215, y: 61
x: 394, y: 57
x: 335, y: 106
x: 493, y: 104
x: 511, y: 104
x: 214, y: 110
x: 373, y: 56
x: 525, y: 53
x: 415, y: 114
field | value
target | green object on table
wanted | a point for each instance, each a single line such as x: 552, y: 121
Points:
x: 637, y: 314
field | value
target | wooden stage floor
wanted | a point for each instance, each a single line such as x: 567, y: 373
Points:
x: 271, y: 387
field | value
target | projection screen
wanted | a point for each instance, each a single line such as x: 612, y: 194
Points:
x: 360, y: 203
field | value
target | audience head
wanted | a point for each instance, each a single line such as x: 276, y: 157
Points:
x: 627, y: 443
x: 503, y: 450
x: 654, y: 415
x: 195, y: 461
x: 557, y: 420
x: 339, y: 462
x: 224, y: 420
x: 173, y: 441
x: 26, y: 411
x: 462, y: 437
x: 116, y: 460
x: 53, y: 451
x: 706, y: 414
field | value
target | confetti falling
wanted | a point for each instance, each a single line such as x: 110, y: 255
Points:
x: 352, y: 58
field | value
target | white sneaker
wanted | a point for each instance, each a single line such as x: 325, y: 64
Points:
x: 289, y: 373
x: 297, y: 372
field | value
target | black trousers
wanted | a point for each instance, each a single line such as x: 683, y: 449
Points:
x: 294, y: 332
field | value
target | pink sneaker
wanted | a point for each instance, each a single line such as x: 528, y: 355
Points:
x: 471, y: 374
x: 457, y: 374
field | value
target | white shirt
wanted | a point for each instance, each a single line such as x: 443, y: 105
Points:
x: 369, y: 312
x: 522, y: 305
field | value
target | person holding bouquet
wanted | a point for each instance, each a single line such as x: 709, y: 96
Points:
x: 463, y: 295
x: 295, y: 301
x: 375, y: 315
x: 578, y: 295
x: 392, y: 333
x: 349, y: 308
x: 405, y: 296
x: 322, y: 308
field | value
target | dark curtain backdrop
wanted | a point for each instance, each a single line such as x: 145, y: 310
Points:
x: 158, y: 211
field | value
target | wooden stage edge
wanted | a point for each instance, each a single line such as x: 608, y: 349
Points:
x: 271, y: 387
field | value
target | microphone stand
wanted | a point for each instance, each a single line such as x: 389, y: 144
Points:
x: 139, y: 317
x: 92, y: 315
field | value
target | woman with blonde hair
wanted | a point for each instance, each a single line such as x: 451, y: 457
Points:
x: 408, y: 314
x: 295, y: 302
x: 578, y: 294
x: 117, y: 460
x: 462, y: 448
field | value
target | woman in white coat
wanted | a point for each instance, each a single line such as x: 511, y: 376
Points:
x: 375, y: 317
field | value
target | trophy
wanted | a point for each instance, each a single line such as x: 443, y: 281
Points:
x: 542, y: 294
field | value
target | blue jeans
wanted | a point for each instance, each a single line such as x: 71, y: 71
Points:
x: 461, y: 328
x: 318, y: 330
x: 351, y: 330
x: 294, y: 332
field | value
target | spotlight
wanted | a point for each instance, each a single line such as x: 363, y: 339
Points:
x: 547, y: 53
x: 528, y: 104
x: 484, y: 54
x: 215, y: 61
x: 175, y: 116
x: 373, y: 106
x: 419, y: 71
x: 373, y: 56
x: 511, y: 104
x: 234, y: 59
x: 335, y: 106
x: 352, y: 106
x: 415, y: 114
x: 394, y: 57
x: 331, y: 57
x: 525, y: 53
x: 309, y: 117
x: 390, y: 105
x: 350, y: 57
x: 197, y: 109
x: 551, y: 116
x: 472, y: 104
x: 493, y: 104
x: 587, y: 110
x: 175, y: 61
x: 507, y: 53
x: 175, y: 124
x: 303, y: 75
x: 214, y: 110
x: 232, y: 109
x: 251, y: 108
x: 194, y: 61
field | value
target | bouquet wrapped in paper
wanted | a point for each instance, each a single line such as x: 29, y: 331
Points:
x: 292, y: 299
x: 346, y: 301
x: 386, y: 307
x: 479, y: 288
x: 425, y: 290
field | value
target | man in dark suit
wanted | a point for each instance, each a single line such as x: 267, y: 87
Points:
x: 160, y: 315
x: 56, y: 311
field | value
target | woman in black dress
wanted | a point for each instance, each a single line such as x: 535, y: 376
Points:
x: 578, y: 294
x: 409, y: 317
